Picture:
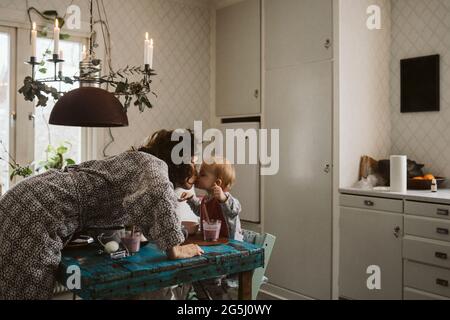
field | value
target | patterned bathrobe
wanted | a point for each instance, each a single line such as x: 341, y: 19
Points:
x: 39, y: 216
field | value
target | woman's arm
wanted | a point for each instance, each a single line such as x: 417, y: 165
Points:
x: 184, y: 252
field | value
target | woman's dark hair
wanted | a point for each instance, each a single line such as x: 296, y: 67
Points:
x: 161, y: 145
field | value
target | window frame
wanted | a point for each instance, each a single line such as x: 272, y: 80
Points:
x: 21, y: 128
x: 11, y: 32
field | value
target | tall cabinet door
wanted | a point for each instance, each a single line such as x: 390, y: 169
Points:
x: 238, y: 55
x: 246, y: 188
x: 368, y: 238
x: 298, y: 200
x: 298, y: 31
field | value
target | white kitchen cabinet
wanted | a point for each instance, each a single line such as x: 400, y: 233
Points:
x: 298, y: 31
x: 298, y: 205
x: 238, y: 59
x: 370, y: 238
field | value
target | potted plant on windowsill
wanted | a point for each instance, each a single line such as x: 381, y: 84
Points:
x: 16, y: 169
x: 56, y: 157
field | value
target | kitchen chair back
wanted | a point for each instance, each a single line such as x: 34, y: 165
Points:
x: 267, y: 241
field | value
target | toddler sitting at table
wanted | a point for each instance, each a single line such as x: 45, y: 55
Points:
x: 216, y: 177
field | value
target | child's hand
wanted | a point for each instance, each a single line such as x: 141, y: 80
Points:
x: 185, y: 196
x: 219, y: 194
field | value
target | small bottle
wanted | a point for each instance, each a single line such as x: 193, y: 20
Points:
x: 434, y: 187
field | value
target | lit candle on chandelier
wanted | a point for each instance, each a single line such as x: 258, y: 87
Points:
x: 33, y: 40
x: 150, y: 54
x: 146, y: 46
x: 61, y: 56
x: 56, y: 32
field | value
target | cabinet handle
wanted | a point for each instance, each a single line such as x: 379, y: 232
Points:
x: 369, y: 203
x: 442, y: 212
x: 327, y: 44
x: 440, y: 255
x: 256, y: 94
x: 442, y: 231
x: 442, y: 283
x: 327, y: 168
x: 397, y: 232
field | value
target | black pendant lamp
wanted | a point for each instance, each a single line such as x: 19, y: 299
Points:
x: 89, y: 107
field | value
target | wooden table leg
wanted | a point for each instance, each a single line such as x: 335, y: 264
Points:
x: 245, y: 285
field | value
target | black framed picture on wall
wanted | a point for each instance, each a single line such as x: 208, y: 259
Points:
x: 420, y: 84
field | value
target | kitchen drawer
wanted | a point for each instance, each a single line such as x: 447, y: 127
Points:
x: 371, y: 203
x: 426, y: 278
x: 427, y: 251
x: 413, y: 294
x: 427, y: 228
x: 433, y: 210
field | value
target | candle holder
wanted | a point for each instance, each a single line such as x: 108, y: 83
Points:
x: 33, y: 62
x: 55, y: 60
x: 117, y: 82
x: 147, y: 73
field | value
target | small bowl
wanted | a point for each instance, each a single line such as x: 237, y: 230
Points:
x: 191, y: 227
x: 424, y: 184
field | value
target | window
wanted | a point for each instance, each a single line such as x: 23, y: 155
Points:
x: 45, y: 134
x: 5, y: 105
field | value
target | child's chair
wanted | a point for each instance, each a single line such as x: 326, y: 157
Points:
x: 267, y: 241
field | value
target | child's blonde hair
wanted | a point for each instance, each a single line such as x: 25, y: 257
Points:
x: 223, y: 170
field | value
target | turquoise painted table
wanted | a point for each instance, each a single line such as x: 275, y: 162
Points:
x: 150, y: 270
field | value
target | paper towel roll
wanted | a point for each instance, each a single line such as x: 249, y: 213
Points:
x: 399, y: 174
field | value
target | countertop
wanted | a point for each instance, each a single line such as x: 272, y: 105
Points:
x: 442, y: 196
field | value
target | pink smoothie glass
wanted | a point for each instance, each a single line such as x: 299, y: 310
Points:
x: 211, y: 230
x: 132, y: 242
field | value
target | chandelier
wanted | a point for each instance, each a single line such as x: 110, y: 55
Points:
x: 100, y: 101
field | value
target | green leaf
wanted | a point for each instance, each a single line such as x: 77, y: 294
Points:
x: 68, y: 80
x: 52, y: 13
x: 43, y: 70
x: 62, y: 150
x: 64, y: 36
x: 70, y: 162
x: 121, y: 87
x: 141, y: 107
x: 145, y: 100
x: 42, y: 101
x: 128, y: 100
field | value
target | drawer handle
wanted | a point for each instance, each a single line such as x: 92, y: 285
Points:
x: 440, y: 255
x: 442, y: 283
x: 369, y: 203
x: 442, y: 212
x: 442, y: 231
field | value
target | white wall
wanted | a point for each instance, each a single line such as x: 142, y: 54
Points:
x: 181, y: 30
x: 421, y: 28
x: 364, y: 87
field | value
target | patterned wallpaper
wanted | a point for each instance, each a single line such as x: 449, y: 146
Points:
x: 365, y: 123
x: 182, y: 60
x: 181, y: 31
x: 421, y: 27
